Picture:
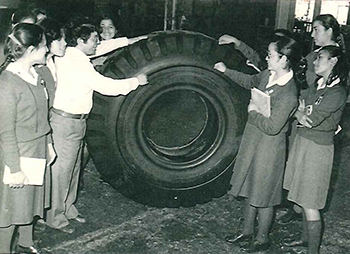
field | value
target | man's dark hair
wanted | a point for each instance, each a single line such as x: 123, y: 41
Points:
x: 53, y: 30
x: 79, y: 28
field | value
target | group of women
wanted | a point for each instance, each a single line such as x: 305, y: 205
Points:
x: 262, y: 169
x: 27, y: 90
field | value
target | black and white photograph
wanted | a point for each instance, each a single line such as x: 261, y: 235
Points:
x: 174, y: 126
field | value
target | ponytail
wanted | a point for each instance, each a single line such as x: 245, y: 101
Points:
x: 341, y: 68
x: 9, y: 59
x: 341, y: 42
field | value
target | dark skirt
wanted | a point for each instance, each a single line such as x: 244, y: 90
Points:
x: 308, y: 173
x: 19, y: 206
x: 259, y: 169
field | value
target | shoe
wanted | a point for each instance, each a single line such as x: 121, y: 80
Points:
x: 295, y: 243
x: 257, y: 246
x: 69, y: 229
x: 80, y: 218
x: 40, y: 225
x: 30, y: 250
x: 240, y: 239
x: 289, y: 216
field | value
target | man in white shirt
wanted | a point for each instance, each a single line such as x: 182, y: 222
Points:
x: 76, y: 81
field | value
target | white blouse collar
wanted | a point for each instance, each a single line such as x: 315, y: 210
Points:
x: 17, y: 69
x: 320, y: 84
x: 281, y: 81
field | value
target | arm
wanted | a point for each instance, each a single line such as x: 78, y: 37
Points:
x: 331, y: 102
x: 247, y: 81
x: 8, y: 115
x: 109, y: 45
x: 249, y: 53
x: 280, y: 112
x: 136, y: 39
x: 104, y: 85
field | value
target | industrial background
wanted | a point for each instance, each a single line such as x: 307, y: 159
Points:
x: 249, y: 20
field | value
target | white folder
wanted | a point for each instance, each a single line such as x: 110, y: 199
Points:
x: 33, y: 168
x: 262, y: 101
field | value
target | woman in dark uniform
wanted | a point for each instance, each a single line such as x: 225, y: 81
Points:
x: 309, y: 166
x: 259, y: 169
x: 24, y: 133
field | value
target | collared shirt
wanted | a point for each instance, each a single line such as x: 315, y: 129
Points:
x: 107, y: 46
x: 281, y: 81
x: 322, y: 85
x: 77, y: 79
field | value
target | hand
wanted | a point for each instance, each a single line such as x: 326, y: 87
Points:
x: 99, y: 60
x: 306, y: 121
x: 142, y: 79
x: 301, y: 105
x: 136, y: 39
x: 220, y: 67
x: 142, y: 37
x: 17, y: 180
x: 303, y: 119
x: 227, y: 39
x: 253, y: 107
x: 51, y: 154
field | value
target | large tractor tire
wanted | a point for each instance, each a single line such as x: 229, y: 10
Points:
x: 181, y: 131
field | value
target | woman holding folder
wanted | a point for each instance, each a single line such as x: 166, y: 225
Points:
x: 259, y: 169
x: 25, y: 147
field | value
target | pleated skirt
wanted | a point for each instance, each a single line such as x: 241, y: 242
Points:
x: 308, y: 173
x: 19, y: 206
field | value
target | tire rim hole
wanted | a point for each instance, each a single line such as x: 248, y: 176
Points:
x: 179, y: 125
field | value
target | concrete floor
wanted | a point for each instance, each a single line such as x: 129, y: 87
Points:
x: 119, y: 225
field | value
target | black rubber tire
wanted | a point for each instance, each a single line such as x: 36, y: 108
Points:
x: 124, y: 135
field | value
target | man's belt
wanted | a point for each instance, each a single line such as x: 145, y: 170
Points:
x: 69, y: 115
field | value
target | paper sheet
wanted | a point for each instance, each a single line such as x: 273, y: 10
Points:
x: 33, y: 168
x: 262, y: 101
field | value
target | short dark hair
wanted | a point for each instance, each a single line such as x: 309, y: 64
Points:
x: 107, y: 16
x: 37, y: 10
x: 288, y: 47
x: 115, y: 21
x: 20, y: 15
x: 283, y: 32
x: 79, y: 28
x: 53, y: 30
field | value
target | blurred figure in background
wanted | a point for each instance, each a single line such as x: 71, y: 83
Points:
x: 110, y: 40
x: 56, y: 43
x: 20, y: 16
x: 108, y: 28
x: 23, y: 16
